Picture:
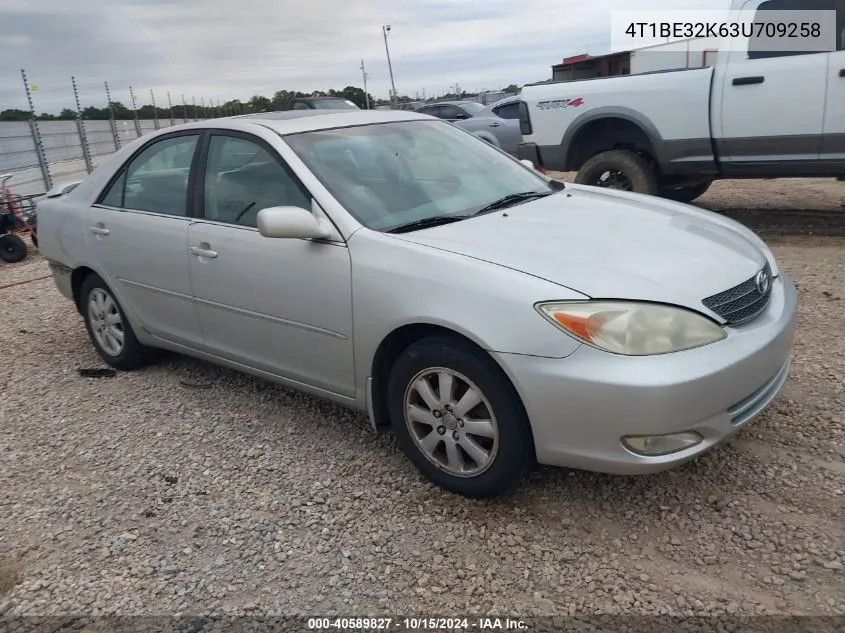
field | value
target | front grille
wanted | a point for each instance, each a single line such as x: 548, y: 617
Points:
x: 743, y: 302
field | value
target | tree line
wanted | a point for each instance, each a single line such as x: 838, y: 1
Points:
x: 281, y: 100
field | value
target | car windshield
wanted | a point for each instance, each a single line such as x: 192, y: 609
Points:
x: 472, y: 108
x: 335, y: 104
x: 391, y: 174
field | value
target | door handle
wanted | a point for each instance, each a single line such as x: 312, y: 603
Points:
x: 203, y: 252
x: 747, y: 81
x: 495, y: 124
x: 99, y: 230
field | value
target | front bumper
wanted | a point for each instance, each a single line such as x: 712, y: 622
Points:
x: 581, y: 406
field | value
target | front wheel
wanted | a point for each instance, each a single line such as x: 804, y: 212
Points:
x: 12, y: 248
x: 458, y: 418
x: 618, y: 169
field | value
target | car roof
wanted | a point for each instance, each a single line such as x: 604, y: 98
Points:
x: 297, y: 121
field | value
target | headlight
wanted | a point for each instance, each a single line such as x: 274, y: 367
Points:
x: 633, y: 329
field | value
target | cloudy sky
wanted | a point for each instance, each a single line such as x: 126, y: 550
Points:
x: 225, y: 49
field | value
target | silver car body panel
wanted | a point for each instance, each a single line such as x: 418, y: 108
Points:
x: 311, y: 315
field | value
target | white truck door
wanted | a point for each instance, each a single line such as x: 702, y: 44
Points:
x: 833, y: 135
x: 768, y: 107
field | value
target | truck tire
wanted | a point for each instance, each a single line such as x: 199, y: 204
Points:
x: 618, y: 169
x: 685, y: 194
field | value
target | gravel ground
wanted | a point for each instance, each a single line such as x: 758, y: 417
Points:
x: 138, y: 494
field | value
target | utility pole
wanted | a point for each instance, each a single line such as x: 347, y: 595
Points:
x: 385, y: 29
x: 366, y: 94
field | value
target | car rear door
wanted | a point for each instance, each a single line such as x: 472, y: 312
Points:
x: 283, y: 306
x: 138, y: 235
x: 770, y: 105
x: 833, y: 134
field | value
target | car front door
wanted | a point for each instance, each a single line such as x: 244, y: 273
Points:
x: 833, y: 135
x: 772, y: 103
x: 138, y: 235
x: 283, y: 306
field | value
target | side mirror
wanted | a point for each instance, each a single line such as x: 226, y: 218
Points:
x: 527, y: 163
x: 461, y: 117
x: 291, y: 223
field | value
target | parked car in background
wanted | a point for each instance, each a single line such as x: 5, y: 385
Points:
x: 755, y: 114
x: 480, y: 120
x: 323, y: 103
x: 507, y: 108
x: 395, y: 264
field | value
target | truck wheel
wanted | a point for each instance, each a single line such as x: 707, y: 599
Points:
x: 618, y: 169
x: 12, y: 248
x: 685, y: 194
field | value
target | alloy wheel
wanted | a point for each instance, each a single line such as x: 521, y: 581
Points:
x: 106, y: 322
x: 451, y: 422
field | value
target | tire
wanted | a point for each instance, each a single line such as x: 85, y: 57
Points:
x: 131, y: 354
x: 510, y: 446
x: 12, y: 248
x: 636, y: 174
x: 685, y: 194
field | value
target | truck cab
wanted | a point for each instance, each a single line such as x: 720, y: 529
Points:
x: 752, y: 114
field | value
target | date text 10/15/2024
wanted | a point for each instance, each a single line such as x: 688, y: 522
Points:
x: 416, y: 624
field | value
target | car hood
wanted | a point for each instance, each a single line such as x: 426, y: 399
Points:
x: 608, y: 245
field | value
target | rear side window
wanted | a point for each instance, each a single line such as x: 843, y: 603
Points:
x: 758, y: 46
x: 156, y: 179
x: 524, y: 119
x: 508, y: 111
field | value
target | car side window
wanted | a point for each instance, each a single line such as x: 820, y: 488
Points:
x: 840, y: 24
x: 757, y: 46
x: 449, y: 112
x: 242, y: 177
x: 507, y: 111
x: 156, y: 180
x: 429, y: 110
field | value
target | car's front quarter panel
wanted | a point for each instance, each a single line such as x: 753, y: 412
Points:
x: 398, y: 283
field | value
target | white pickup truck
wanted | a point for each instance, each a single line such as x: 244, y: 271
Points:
x: 754, y: 114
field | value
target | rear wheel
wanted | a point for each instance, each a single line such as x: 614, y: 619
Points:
x: 618, y: 169
x: 12, y: 248
x: 458, y: 418
x: 109, y: 329
x: 685, y: 194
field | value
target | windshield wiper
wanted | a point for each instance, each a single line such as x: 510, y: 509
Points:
x: 511, y: 200
x: 425, y: 223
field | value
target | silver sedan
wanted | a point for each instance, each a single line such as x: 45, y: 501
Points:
x: 494, y: 123
x: 396, y: 264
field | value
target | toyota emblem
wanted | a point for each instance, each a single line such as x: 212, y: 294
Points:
x: 762, y: 281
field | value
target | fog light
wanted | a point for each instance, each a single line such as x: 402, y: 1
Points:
x: 655, y: 445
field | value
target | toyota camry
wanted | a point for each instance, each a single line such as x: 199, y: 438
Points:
x: 493, y: 317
